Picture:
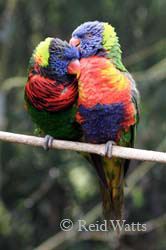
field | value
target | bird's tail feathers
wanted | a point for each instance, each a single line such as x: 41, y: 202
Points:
x: 113, y: 194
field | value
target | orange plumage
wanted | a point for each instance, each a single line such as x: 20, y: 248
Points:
x: 101, y: 82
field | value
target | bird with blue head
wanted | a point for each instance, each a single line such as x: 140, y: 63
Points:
x: 107, y: 106
x: 51, y: 90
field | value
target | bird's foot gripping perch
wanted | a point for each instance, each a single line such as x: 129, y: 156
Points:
x: 47, y: 142
x: 108, y: 148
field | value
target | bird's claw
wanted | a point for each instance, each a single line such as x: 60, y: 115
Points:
x: 108, y: 148
x: 47, y: 142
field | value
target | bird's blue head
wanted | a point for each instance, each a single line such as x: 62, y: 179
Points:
x: 57, y: 58
x: 88, y: 38
x: 96, y: 38
x: 63, y: 59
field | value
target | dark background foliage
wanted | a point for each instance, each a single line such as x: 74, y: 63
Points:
x: 38, y: 189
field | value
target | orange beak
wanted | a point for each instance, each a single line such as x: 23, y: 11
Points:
x: 74, y: 42
x: 74, y: 67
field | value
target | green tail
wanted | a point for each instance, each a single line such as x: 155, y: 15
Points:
x: 113, y: 194
x: 111, y: 173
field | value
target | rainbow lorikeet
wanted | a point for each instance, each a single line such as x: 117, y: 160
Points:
x: 107, y: 106
x: 51, y: 90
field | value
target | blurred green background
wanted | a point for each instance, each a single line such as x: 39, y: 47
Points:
x: 38, y: 189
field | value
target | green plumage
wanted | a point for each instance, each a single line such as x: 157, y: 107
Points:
x: 51, y: 91
x: 60, y: 124
x: 121, y: 89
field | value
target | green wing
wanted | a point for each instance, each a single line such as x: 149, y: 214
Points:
x: 128, y: 137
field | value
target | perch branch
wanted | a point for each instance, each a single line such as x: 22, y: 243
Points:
x: 122, y: 152
x: 61, y: 238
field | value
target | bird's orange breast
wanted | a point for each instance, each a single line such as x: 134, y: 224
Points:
x: 102, y: 83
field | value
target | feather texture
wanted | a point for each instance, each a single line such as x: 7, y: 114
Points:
x: 108, y: 106
x: 51, y: 92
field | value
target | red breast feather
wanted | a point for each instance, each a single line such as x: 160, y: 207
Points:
x: 45, y: 94
x: 102, y: 83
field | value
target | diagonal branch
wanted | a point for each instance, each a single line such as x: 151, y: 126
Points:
x: 117, y: 151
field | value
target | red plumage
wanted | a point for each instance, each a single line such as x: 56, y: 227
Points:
x: 102, y: 83
x: 46, y: 94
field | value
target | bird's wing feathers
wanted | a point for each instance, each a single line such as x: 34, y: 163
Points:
x: 128, y: 138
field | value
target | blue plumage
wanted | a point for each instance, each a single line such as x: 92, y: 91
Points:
x: 102, y: 122
x: 90, y: 36
x: 60, y: 56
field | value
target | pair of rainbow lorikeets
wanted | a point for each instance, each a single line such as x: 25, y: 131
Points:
x: 81, y: 91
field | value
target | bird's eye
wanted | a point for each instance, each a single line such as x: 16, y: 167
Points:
x: 61, y: 57
x: 88, y: 35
